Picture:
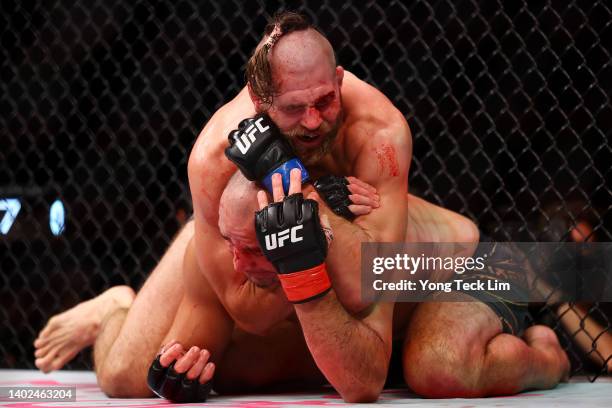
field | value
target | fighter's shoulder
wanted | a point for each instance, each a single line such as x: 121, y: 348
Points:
x: 213, y: 137
x: 207, y: 153
x: 372, y: 118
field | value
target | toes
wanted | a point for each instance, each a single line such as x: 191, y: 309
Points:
x: 40, y: 342
x: 41, y: 365
x: 65, y: 355
x: 49, y: 327
x: 52, y: 343
x: 44, y: 363
x: 56, y: 358
x: 43, y: 351
x: 43, y: 338
x: 51, y: 337
x: 39, y: 353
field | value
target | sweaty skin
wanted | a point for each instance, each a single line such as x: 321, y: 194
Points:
x: 339, y: 125
x: 121, y: 374
x: 370, y: 139
x: 69, y: 332
x: 314, y: 105
x: 234, y: 350
x: 209, y: 172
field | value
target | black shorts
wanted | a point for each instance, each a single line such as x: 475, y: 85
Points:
x: 502, y: 266
x: 513, y: 314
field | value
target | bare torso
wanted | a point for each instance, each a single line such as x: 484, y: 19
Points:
x: 366, y: 110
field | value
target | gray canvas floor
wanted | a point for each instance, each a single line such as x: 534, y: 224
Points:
x: 578, y: 393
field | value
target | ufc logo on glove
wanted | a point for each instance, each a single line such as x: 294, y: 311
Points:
x: 273, y: 242
x: 301, y: 263
x: 244, y: 141
x: 259, y: 150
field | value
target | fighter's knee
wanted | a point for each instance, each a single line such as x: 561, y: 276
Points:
x: 120, y: 381
x: 438, y: 372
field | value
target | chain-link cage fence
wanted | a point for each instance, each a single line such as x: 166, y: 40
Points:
x: 102, y: 100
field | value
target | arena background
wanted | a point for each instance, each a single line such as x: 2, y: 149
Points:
x: 102, y: 100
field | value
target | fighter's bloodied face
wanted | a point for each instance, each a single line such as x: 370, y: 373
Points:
x: 309, y: 116
x: 249, y: 260
x: 307, y: 105
x: 237, y: 207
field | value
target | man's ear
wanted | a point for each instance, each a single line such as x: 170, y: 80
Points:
x: 254, y: 98
x: 339, y: 75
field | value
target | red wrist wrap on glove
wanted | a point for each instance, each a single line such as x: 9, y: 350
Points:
x: 305, y: 285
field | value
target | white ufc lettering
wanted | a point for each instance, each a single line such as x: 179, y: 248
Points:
x: 277, y: 240
x: 247, y: 138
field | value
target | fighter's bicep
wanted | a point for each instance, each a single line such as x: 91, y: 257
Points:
x: 387, y: 151
x: 384, y: 164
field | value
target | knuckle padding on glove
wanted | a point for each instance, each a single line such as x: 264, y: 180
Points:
x: 300, y: 261
x: 334, y: 191
x: 294, y: 210
x: 167, y: 383
x: 258, y: 149
x: 264, y: 154
x: 244, y: 123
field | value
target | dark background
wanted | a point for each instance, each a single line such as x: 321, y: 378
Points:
x: 101, y: 102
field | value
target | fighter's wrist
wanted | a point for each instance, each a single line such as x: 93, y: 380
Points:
x: 306, y: 285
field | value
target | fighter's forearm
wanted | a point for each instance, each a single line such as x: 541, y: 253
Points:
x: 352, y: 356
x: 344, y: 262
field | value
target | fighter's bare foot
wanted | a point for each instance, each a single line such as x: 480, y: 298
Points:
x: 545, y: 340
x: 69, y: 332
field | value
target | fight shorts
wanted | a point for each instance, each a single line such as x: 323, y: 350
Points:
x: 513, y: 312
x: 504, y: 264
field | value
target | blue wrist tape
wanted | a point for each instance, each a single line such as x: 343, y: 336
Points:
x: 284, y: 170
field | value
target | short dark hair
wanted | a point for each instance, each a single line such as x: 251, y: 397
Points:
x: 258, y: 70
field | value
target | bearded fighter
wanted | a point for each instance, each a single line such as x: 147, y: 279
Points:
x: 338, y: 125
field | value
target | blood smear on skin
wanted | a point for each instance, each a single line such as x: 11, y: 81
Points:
x: 387, y: 159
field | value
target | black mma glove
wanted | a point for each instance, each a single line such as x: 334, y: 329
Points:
x: 167, y: 383
x: 334, y: 191
x: 259, y: 150
x: 291, y: 237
